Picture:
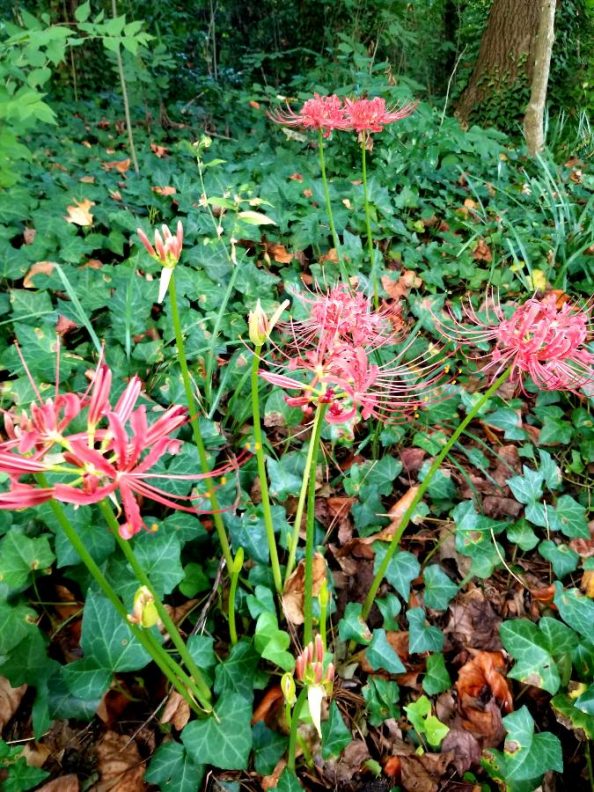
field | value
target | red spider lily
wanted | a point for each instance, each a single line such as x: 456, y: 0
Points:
x: 167, y: 250
x: 540, y: 339
x: 371, y: 115
x: 114, y: 460
x: 325, y: 113
x: 334, y: 356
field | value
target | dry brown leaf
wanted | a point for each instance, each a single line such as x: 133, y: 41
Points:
x: 294, y: 587
x: 64, y: 325
x: 39, y: 268
x: 87, y: 179
x: 396, y: 290
x: 119, y: 764
x: 10, y: 698
x: 587, y: 583
x: 29, y: 235
x: 164, y: 190
x: 95, y: 264
x: 331, y: 257
x: 176, y: 711
x: 36, y: 754
x: 423, y: 773
x: 67, y: 783
x: 296, y: 177
x: 473, y: 622
x: 159, y: 151
x: 480, y: 709
x: 271, y: 781
x: 121, y: 166
x: 307, y: 193
x: 482, y: 252
x: 278, y: 252
x: 269, y: 702
x: 79, y: 213
x: 465, y: 747
x: 396, y: 514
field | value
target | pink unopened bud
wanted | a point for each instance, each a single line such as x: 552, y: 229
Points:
x: 167, y: 250
x: 319, y: 649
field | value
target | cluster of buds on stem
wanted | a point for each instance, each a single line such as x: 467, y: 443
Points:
x: 316, y: 675
x: 167, y: 250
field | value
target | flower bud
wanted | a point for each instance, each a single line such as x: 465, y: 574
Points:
x: 144, y: 610
x: 260, y: 326
x: 288, y: 688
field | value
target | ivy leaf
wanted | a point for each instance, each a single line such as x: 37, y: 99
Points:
x: 390, y: 608
x: 568, y: 712
x: 563, y: 559
x: 402, y: 569
x: 380, y: 654
x: 439, y: 589
x: 268, y: 747
x: 425, y: 723
x: 107, y: 639
x: 224, y: 739
x: 422, y: 637
x: 436, y: 679
x: 575, y: 609
x: 20, y: 556
x: 16, y: 621
x: 352, y: 627
x: 236, y: 673
x: 172, y: 769
x: 572, y: 518
x: 528, y: 487
x: 288, y: 782
x: 534, y: 663
x: 528, y: 755
x: 335, y: 733
x: 380, y: 697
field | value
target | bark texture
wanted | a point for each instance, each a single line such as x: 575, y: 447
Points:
x: 534, y: 118
x: 506, y: 55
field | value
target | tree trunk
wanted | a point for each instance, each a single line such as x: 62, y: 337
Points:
x: 506, y: 54
x: 534, y: 118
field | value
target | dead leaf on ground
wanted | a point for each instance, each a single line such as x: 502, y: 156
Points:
x: 482, y: 252
x: 87, y: 179
x: 271, y: 781
x: 64, y: 325
x: 121, y: 166
x: 159, y: 151
x: 119, y: 764
x: 269, y: 704
x: 278, y: 252
x: 331, y: 257
x: 423, y: 773
x: 396, y: 513
x: 465, y: 747
x: 176, y: 711
x: 342, y: 773
x: 10, y: 698
x: 36, y: 754
x: 79, y: 213
x: 396, y: 290
x: 483, y: 694
x: 412, y: 459
x: 67, y: 783
x: 294, y: 588
x: 473, y: 622
x: 164, y: 190
x: 39, y: 268
x: 95, y: 264
x: 334, y: 512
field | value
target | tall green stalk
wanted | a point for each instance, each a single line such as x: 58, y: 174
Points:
x: 301, y: 699
x: 335, y: 241
x: 193, y: 410
x: 370, y: 248
x: 264, y: 496
x: 202, y: 687
x: 171, y: 671
x: 310, y: 526
x: 395, y: 542
x: 122, y: 75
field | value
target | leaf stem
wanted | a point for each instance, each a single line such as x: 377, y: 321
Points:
x: 193, y: 410
x: 370, y: 247
x: 235, y: 572
x: 310, y: 525
x: 393, y: 546
x: 202, y: 690
x: 336, y: 242
x: 294, y: 725
x: 264, y: 495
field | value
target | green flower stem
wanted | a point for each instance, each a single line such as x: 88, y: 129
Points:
x: 265, y: 499
x: 193, y: 410
x: 310, y: 526
x: 235, y: 571
x: 202, y: 690
x: 301, y: 699
x: 379, y: 575
x: 294, y: 540
x: 335, y: 241
x: 373, y: 271
x: 158, y: 654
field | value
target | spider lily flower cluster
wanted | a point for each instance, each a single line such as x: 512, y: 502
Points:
x: 542, y: 338
x: 167, y: 250
x: 317, y: 676
x: 328, y: 113
x: 333, y: 359
x: 112, y: 457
